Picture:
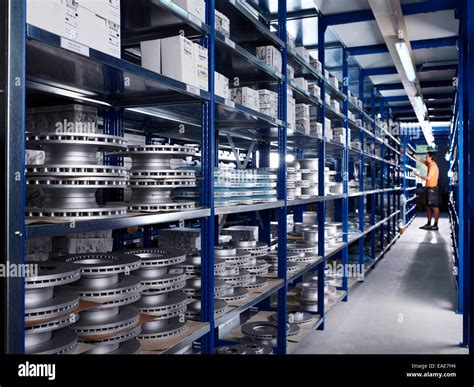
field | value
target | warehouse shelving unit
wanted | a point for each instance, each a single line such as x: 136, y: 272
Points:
x: 136, y: 98
x: 409, y: 183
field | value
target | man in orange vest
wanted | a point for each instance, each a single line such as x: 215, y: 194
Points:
x: 431, y: 178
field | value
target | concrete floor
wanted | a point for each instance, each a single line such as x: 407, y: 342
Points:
x: 405, y: 306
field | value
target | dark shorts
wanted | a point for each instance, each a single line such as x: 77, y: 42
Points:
x: 432, y: 199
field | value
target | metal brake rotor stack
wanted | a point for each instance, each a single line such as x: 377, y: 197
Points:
x: 71, y: 175
x: 192, y: 268
x: 257, y: 267
x: 152, y: 178
x: 111, y: 324
x: 266, y: 332
x: 234, y: 275
x: 162, y: 296
x: 50, y: 308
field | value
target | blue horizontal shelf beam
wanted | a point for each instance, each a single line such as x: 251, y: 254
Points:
x: 420, y: 68
x: 415, y: 45
x: 423, y: 84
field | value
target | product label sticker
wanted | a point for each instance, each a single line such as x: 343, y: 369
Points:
x: 229, y: 103
x: 74, y: 46
x: 193, y: 90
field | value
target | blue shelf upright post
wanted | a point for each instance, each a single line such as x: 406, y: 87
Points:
x: 345, y: 172
x: 361, y: 180
x: 13, y: 176
x: 321, y: 206
x: 282, y: 211
x: 264, y: 234
x: 384, y: 171
x: 208, y: 161
x: 373, y: 198
x: 298, y: 210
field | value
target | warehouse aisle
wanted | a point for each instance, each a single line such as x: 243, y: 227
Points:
x: 405, y: 305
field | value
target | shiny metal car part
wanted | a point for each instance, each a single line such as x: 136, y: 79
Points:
x: 71, y: 175
x: 233, y: 294
x: 194, y: 309
x: 249, y: 348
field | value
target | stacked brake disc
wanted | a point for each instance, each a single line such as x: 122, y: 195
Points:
x: 192, y: 268
x: 257, y: 266
x: 71, y: 175
x: 152, y: 178
x: 50, y: 309
x: 110, y: 324
x: 162, y: 296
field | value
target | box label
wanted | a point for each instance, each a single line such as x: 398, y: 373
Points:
x: 74, y: 46
x: 193, y: 90
x: 230, y: 42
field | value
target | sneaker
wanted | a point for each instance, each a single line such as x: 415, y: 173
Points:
x: 432, y: 228
x: 425, y: 227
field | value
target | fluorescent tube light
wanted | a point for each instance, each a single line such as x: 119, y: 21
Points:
x: 406, y: 60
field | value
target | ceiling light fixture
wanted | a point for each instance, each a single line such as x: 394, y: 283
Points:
x: 405, y: 58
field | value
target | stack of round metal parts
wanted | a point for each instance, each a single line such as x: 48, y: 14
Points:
x: 240, y: 187
x: 308, y: 296
x: 152, y: 178
x: 71, y: 175
x: 250, y: 348
x: 332, y: 237
x: 266, y: 332
x: 309, y: 174
x: 192, y: 289
x: 257, y: 267
x: 192, y: 265
x: 112, y: 325
x: 234, y: 275
x: 50, y: 308
x: 272, y: 260
x: 162, y: 296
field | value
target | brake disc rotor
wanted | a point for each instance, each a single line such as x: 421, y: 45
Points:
x: 256, y: 283
x: 194, y: 309
x: 50, y: 342
x: 245, y: 349
x: 159, y: 329
x: 233, y: 294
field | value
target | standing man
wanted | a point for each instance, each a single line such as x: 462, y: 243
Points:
x: 431, y: 178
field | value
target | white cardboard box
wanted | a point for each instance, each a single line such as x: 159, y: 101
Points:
x: 221, y: 85
x: 303, y: 52
x: 316, y: 64
x: 177, y: 59
x: 290, y: 72
x: 271, y: 56
x: 108, y: 9
x: 245, y: 96
x: 151, y: 55
x: 291, y: 112
x: 302, y: 82
x: 98, y: 33
x: 47, y: 15
x: 196, y: 8
x: 201, y: 66
x: 290, y: 43
x: 222, y: 24
x: 314, y: 90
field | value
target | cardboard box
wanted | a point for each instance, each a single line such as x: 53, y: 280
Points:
x: 327, y: 99
x: 303, y: 52
x: 82, y: 245
x: 303, y: 117
x: 47, y: 15
x: 201, y: 66
x: 290, y: 42
x: 291, y: 112
x: 151, y: 55
x: 108, y: 9
x: 336, y: 105
x: 290, y: 72
x: 196, y: 8
x: 327, y: 123
x: 316, y: 128
x: 316, y: 64
x: 177, y: 59
x: 245, y: 96
x: 314, y: 90
x: 271, y: 56
x: 268, y: 103
x: 221, y: 85
x: 334, y: 81
x: 222, y: 24
x: 302, y: 82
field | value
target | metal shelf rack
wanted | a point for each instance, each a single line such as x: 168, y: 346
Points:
x: 161, y: 104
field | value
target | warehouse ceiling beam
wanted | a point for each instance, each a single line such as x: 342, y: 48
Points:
x: 423, y: 85
x: 419, y: 68
x: 367, y: 14
x: 415, y: 45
